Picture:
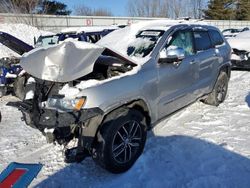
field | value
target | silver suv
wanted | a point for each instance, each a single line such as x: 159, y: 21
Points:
x: 116, y: 90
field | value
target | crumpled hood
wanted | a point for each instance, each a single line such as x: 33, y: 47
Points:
x: 63, y: 62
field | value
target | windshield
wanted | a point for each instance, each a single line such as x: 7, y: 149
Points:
x: 44, y: 41
x: 144, y: 43
x: 137, y: 41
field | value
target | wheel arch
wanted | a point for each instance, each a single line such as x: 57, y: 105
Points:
x: 225, y: 68
x: 138, y: 104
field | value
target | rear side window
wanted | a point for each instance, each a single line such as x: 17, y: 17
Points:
x: 216, y: 38
x: 202, y: 40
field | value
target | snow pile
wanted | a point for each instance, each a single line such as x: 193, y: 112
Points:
x: 69, y: 92
x: 23, y: 32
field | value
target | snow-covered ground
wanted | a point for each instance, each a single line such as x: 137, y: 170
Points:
x: 200, y: 146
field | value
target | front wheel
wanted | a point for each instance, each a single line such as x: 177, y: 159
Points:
x: 121, y: 140
x: 219, y: 92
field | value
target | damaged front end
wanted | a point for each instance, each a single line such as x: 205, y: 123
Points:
x: 57, y: 124
x: 240, y: 59
x: 62, y: 117
x: 60, y: 125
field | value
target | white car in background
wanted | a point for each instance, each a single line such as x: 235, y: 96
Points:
x: 228, y: 33
x: 240, y: 50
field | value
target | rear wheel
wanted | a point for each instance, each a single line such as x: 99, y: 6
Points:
x: 219, y: 92
x: 121, y: 140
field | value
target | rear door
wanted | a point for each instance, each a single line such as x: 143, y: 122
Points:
x: 220, y: 47
x: 207, y: 58
x: 14, y: 43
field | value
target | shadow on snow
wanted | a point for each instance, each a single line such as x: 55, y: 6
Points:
x: 173, y: 161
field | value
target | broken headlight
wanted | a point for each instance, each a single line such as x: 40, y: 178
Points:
x: 66, y: 104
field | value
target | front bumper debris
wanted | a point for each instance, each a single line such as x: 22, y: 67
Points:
x: 61, y: 127
x: 51, y: 118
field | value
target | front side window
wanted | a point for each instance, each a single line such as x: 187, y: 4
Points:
x: 202, y: 40
x: 182, y: 39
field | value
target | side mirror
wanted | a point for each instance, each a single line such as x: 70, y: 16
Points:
x: 172, y: 55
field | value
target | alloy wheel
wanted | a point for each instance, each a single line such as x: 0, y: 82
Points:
x: 126, y: 142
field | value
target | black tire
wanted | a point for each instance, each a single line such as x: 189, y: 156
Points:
x: 219, y: 92
x: 19, y: 87
x: 121, y: 140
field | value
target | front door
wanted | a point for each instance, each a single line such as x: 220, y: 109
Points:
x: 176, y: 80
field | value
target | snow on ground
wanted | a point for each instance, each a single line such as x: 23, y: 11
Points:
x: 23, y: 32
x: 200, y: 146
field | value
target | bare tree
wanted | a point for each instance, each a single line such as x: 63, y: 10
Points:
x: 197, y: 7
x: 102, y: 12
x: 166, y: 8
x: 177, y: 8
x: 148, y: 8
x: 82, y: 10
x: 19, y: 6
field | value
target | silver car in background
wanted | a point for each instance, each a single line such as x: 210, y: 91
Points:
x: 109, y: 94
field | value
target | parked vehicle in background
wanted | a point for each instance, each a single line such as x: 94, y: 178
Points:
x: 87, y: 34
x: 229, y: 33
x: 10, y: 69
x: 240, y: 50
x: 112, y: 92
x: 9, y: 66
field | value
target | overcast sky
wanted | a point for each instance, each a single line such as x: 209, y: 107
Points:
x: 117, y: 7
